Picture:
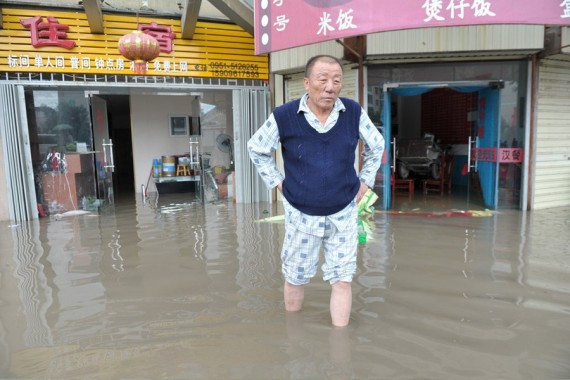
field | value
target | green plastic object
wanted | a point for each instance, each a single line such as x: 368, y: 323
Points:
x: 361, y: 233
x: 365, y: 206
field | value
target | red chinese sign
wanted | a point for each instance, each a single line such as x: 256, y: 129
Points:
x: 484, y: 154
x: 511, y: 155
x: 50, y: 33
x: 283, y: 24
x: 506, y: 155
x: 163, y: 35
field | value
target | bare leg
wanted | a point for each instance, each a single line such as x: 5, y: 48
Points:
x: 341, y: 303
x: 294, y: 296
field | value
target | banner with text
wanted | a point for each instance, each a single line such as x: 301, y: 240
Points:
x: 283, y: 24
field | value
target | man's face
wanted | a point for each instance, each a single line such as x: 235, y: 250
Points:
x: 323, y: 85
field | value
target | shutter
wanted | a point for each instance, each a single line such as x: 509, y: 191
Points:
x: 251, y: 109
x: 552, y: 165
x: 18, y: 169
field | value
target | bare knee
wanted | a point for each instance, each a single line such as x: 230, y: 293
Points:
x: 342, y: 286
x: 294, y: 296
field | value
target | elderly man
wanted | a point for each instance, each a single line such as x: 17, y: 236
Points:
x: 319, y: 135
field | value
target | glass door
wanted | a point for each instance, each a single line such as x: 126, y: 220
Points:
x: 383, y: 186
x: 484, y: 155
x: 477, y: 157
x: 104, y: 162
x: 61, y: 149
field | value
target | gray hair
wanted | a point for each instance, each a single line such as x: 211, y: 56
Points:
x: 323, y: 57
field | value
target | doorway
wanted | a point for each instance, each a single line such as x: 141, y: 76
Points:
x: 119, y: 124
x: 436, y: 133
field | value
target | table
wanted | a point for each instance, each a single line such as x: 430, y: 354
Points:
x: 177, y: 184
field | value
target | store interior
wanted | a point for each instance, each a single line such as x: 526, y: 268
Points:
x: 90, y: 150
x: 431, y: 132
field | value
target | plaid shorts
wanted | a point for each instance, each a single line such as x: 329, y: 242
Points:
x: 301, y: 251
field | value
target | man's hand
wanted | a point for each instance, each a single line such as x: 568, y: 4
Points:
x: 363, y: 189
x: 280, y: 186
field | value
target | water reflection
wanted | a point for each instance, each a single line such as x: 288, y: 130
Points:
x: 175, y: 289
x: 34, y: 276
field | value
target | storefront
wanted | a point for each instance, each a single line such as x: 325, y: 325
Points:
x: 470, y: 98
x: 80, y: 127
x: 470, y: 116
x: 479, y: 105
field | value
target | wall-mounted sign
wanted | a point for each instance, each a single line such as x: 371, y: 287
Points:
x: 46, y: 41
x: 282, y: 24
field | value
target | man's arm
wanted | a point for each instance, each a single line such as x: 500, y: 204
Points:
x: 373, y: 150
x: 261, y: 147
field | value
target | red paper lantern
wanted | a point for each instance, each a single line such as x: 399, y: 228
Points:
x: 140, y: 48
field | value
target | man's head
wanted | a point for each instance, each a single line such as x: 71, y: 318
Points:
x: 323, y: 82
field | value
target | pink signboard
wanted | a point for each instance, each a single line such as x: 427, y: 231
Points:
x: 484, y: 154
x: 506, y: 155
x: 511, y: 155
x: 283, y: 24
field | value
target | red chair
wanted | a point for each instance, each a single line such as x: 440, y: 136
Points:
x: 444, y: 181
x: 402, y: 184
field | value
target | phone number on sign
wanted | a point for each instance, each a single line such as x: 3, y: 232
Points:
x: 220, y: 69
x: 235, y: 73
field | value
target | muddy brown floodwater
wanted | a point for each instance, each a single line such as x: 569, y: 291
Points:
x: 175, y: 290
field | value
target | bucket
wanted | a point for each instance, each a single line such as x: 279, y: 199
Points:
x: 168, y: 164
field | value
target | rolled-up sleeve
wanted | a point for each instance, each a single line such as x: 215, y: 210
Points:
x: 373, y: 149
x: 261, y: 147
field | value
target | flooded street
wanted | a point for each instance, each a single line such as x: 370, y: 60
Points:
x: 175, y: 290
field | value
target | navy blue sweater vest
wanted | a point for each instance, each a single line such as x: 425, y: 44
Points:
x: 320, y: 178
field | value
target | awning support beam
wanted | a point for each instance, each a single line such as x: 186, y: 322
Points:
x: 237, y: 12
x: 190, y: 17
x: 94, y: 15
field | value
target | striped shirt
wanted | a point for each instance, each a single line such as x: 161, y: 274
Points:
x: 266, y: 140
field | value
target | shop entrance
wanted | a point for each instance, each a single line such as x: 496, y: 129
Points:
x: 103, y: 150
x: 437, y: 133
x: 119, y: 131
x: 85, y: 148
x: 81, y: 149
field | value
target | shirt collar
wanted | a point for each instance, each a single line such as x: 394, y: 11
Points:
x: 303, y: 107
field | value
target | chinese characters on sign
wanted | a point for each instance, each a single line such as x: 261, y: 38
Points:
x: 566, y: 9
x: 506, y: 155
x: 216, y: 69
x: 433, y: 9
x: 484, y: 154
x: 163, y: 35
x: 283, y: 24
x: 511, y: 155
x: 50, y: 33
x: 344, y: 20
x: 85, y: 63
